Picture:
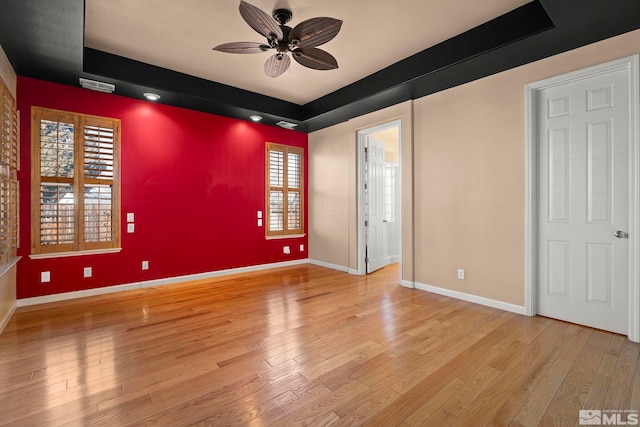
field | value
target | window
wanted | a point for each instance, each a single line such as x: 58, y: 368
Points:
x: 75, y: 194
x: 285, y: 190
x: 9, y: 164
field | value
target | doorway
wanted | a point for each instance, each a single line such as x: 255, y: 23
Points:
x: 379, y: 197
x: 582, y: 205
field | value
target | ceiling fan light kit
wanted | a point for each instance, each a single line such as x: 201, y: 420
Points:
x: 300, y: 41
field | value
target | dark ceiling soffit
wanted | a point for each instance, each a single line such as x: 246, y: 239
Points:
x: 595, y: 21
x: 218, y: 97
x: 518, y: 24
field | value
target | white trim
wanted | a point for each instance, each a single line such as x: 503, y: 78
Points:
x: 285, y: 236
x: 151, y: 283
x: 501, y: 305
x: 355, y: 272
x: 407, y: 284
x: 631, y: 65
x: 4, y: 322
x: 75, y: 253
x: 329, y: 265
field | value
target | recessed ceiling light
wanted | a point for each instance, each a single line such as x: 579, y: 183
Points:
x: 255, y: 118
x: 151, y: 96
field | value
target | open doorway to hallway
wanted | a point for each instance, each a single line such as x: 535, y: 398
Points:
x: 379, y: 197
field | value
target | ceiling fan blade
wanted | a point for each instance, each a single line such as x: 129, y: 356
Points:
x: 260, y: 21
x: 315, y: 58
x: 242, y: 47
x: 314, y: 32
x: 277, y: 64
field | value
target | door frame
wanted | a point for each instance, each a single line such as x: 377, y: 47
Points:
x: 361, y: 140
x: 631, y: 66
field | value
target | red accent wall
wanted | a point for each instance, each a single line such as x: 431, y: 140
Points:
x: 194, y: 181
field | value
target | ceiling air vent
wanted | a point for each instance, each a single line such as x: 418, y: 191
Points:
x: 286, y: 125
x: 97, y: 86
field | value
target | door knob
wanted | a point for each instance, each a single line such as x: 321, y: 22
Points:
x: 621, y: 234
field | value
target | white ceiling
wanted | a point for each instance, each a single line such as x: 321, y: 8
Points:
x: 180, y: 35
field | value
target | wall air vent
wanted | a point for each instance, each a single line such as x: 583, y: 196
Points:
x: 286, y: 125
x: 97, y: 86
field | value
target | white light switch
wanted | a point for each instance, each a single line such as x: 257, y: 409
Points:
x: 259, y: 223
x: 131, y: 228
x: 130, y: 217
x: 259, y: 214
x: 301, y: 248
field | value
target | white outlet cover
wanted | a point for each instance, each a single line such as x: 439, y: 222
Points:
x: 45, y: 276
x: 130, y: 217
x: 145, y: 265
x: 286, y: 250
x: 460, y: 274
x: 259, y: 214
x: 88, y: 272
x: 301, y: 248
x: 259, y: 222
x: 131, y: 228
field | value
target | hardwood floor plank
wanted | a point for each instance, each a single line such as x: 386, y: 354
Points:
x: 303, y: 345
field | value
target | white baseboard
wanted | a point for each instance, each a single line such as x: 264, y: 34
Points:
x: 408, y: 284
x: 25, y: 302
x: 472, y: 298
x: 329, y: 265
x: 5, y: 321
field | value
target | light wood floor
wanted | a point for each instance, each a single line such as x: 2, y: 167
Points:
x: 304, y: 346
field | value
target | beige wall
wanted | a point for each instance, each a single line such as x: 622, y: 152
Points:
x: 333, y: 231
x: 7, y: 74
x: 468, y: 180
x: 328, y: 196
x: 7, y: 296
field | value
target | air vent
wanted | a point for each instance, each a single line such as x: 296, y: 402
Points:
x: 287, y: 125
x: 97, y: 86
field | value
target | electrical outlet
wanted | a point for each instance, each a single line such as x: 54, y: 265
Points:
x: 130, y: 217
x: 45, y: 276
x: 301, y: 248
x: 88, y: 272
x: 286, y: 250
x: 461, y: 274
x: 145, y: 265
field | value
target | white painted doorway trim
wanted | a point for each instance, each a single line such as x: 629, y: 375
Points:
x: 631, y: 66
x: 361, y: 140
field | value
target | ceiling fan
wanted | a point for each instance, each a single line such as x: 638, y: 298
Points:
x: 300, y: 41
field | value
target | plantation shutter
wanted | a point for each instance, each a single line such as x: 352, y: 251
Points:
x: 285, y: 192
x: 78, y: 203
x: 9, y: 164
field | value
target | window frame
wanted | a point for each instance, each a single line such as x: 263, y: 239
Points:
x: 286, y: 150
x: 9, y: 185
x: 78, y: 183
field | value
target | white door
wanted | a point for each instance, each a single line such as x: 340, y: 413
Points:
x: 583, y: 139
x: 375, y: 256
